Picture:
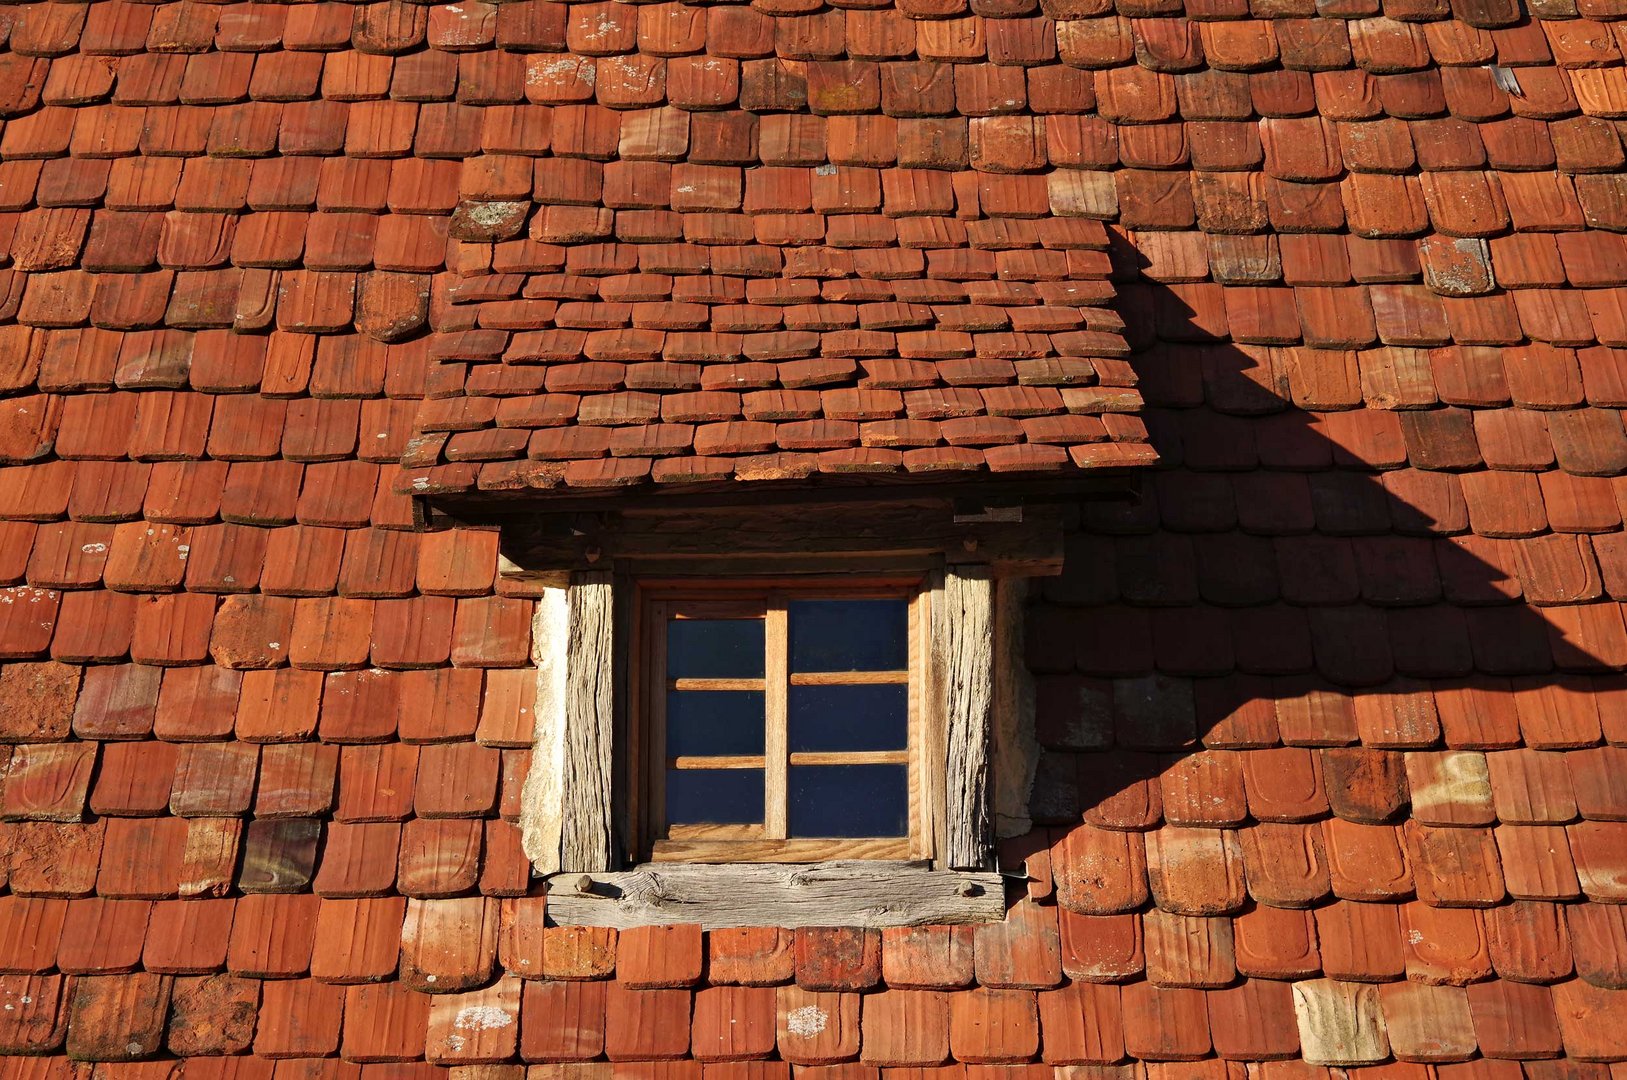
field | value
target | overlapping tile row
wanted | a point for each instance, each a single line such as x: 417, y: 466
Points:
x: 1333, y: 716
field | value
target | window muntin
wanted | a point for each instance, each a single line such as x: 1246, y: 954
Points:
x: 783, y: 721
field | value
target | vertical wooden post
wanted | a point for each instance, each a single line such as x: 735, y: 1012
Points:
x: 566, y: 813
x: 587, y: 838
x: 967, y: 666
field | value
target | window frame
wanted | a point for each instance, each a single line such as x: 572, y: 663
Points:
x: 646, y: 760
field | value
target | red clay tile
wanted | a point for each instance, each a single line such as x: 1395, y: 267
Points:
x: 905, y: 1028
x: 448, y: 945
x: 646, y: 1024
x: 562, y: 1021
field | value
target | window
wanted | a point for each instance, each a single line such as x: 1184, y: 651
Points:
x: 761, y: 715
x: 784, y: 721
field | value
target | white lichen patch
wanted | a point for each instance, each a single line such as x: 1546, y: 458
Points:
x: 807, y: 1021
x: 481, y: 1018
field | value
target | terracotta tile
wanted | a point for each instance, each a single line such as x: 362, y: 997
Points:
x: 357, y: 940
x: 278, y: 706
x: 1195, y: 871
x: 1023, y: 951
x: 212, y: 1015
x: 1514, y: 1020
x: 272, y: 936
x: 32, y: 929
x: 1427, y: 1023
x: 646, y: 1024
x: 657, y: 956
x: 101, y: 935
x: 188, y: 937
x: 210, y: 858
x: 1276, y: 943
x: 905, y: 1028
x: 142, y: 857
x: 837, y: 958
x: 298, y: 1018
x: 481, y: 1026
x: 1537, y: 862
x: 118, y: 1017
x: 752, y: 956
x: 449, y: 945
x: 376, y: 783
x: 1100, y: 948
x: 1254, y: 1020
x: 1100, y: 872
x: 1164, y: 1025
x: 578, y: 952
x: 50, y: 859
x: 439, y: 858
x: 1360, y: 942
x: 928, y: 957
x: 384, y: 1022
x: 987, y: 1025
x: 814, y: 1029
x: 40, y: 1024
x: 1527, y: 941
x: 562, y: 1021
x: 1187, y: 951
x: 359, y: 859
x: 1594, y: 940
x: 48, y: 781
x: 733, y: 1022
x: 214, y: 779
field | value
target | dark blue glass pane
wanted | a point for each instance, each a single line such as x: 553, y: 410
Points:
x: 715, y: 649
x: 849, y: 635
x: 848, y: 800
x: 849, y: 718
x: 714, y: 796
x: 714, y: 722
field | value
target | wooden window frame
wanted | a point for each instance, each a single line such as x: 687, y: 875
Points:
x: 655, y: 601
x: 581, y: 806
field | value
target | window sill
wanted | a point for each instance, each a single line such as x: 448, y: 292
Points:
x: 847, y: 893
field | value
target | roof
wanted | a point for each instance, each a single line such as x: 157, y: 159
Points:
x: 1332, y: 716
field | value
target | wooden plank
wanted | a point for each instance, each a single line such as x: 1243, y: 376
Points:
x: 1015, y: 741
x: 542, y: 801
x: 776, y: 710
x: 587, y: 834
x: 889, y: 529
x: 850, y: 678
x: 716, y: 761
x: 714, y: 684
x: 967, y: 667
x: 850, y: 757
x: 707, y: 850
x: 862, y: 894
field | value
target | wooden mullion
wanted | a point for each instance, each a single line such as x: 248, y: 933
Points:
x: 776, y: 680
x: 656, y: 717
x: 850, y: 678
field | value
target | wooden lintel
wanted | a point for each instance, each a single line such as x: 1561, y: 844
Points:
x: 1031, y: 547
x: 864, y: 894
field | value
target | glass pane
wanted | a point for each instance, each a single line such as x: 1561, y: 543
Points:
x: 714, y: 648
x: 849, y: 800
x: 849, y: 718
x: 849, y: 635
x: 714, y: 722
x: 714, y: 796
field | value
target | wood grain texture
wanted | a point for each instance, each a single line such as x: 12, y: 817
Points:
x: 587, y: 834
x: 720, y: 538
x: 542, y: 806
x: 966, y: 661
x: 1013, y: 736
x: 855, y: 894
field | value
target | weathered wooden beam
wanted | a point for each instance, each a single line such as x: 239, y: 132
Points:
x: 1014, y: 737
x: 1029, y: 547
x: 965, y: 643
x: 864, y: 894
x: 567, y: 808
